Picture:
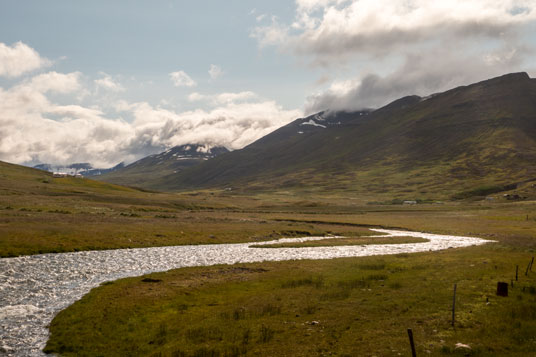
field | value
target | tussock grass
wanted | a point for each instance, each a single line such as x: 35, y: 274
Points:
x: 317, y: 282
x: 377, y: 266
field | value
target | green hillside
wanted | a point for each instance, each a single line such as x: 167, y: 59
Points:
x: 40, y: 213
x: 471, y: 137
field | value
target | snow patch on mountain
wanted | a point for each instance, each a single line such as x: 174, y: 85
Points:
x: 312, y: 122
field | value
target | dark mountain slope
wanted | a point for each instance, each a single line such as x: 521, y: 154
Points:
x: 151, y: 168
x: 481, y: 134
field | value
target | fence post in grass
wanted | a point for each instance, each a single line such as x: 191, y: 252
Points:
x: 502, y: 289
x: 531, y: 262
x: 453, y: 305
x: 412, y: 344
x: 527, y: 271
x: 517, y: 269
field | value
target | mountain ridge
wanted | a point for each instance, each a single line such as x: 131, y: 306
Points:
x: 480, y: 134
x: 168, y: 162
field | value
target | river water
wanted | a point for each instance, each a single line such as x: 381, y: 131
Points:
x: 33, y: 289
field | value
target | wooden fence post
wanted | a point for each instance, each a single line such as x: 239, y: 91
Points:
x: 412, y: 344
x: 453, y: 305
x: 502, y: 289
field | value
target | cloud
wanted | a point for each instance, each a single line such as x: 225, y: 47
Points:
x: 229, y: 97
x: 379, y: 50
x: 215, y: 71
x: 181, y: 79
x: 420, y: 74
x: 35, y: 129
x: 55, y: 82
x: 335, y: 28
x: 108, y: 83
x: 222, y: 98
x: 19, y: 59
x: 196, y: 97
x: 233, y: 125
x: 275, y: 34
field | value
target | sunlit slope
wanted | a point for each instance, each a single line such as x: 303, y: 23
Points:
x: 15, y: 179
x: 471, y: 136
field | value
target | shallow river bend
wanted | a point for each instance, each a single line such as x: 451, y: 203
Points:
x: 35, y: 288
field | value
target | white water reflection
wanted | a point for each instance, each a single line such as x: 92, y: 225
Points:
x: 35, y: 288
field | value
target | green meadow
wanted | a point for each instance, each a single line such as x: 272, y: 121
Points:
x: 340, y: 307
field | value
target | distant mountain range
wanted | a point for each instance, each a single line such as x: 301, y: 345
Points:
x: 475, y: 138
x: 155, y: 167
x: 84, y: 169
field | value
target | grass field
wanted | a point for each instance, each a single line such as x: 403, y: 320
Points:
x: 41, y: 214
x: 342, y: 307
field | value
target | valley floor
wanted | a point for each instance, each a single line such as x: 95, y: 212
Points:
x: 345, y: 307
x: 342, y: 307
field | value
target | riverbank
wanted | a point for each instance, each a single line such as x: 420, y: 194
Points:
x: 42, y: 214
x: 34, y: 288
x: 342, y: 307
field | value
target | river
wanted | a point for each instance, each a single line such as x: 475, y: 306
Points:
x: 33, y: 289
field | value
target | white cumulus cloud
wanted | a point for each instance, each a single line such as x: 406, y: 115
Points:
x: 336, y: 27
x: 215, y: 71
x: 55, y: 82
x: 36, y: 129
x: 222, y: 98
x: 232, y: 125
x: 196, y: 97
x: 19, y: 59
x: 108, y: 83
x: 182, y: 79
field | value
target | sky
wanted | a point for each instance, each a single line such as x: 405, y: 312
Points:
x: 114, y: 81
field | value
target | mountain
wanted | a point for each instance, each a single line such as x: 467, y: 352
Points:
x: 84, y: 169
x: 144, y: 172
x: 474, y: 138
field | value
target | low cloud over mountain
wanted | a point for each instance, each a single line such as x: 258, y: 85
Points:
x: 36, y: 126
x: 375, y: 51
